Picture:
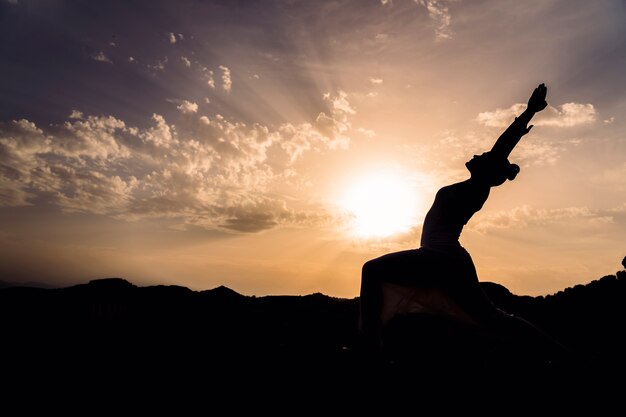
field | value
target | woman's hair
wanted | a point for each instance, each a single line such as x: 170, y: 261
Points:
x: 512, y: 171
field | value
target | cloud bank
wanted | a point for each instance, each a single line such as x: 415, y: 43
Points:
x: 527, y: 216
x: 203, y: 171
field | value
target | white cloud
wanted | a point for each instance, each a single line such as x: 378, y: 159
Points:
x: 614, y: 177
x: 188, y: 107
x: 570, y: 114
x: 609, y: 120
x: 160, y: 65
x: 439, y: 13
x: 537, y: 152
x: 209, y: 77
x: 255, y: 76
x: 64, y: 165
x: 101, y: 57
x: 215, y: 173
x: 367, y: 132
x: 340, y: 104
x: 384, y: 2
x: 75, y: 114
x: 376, y: 81
x: 226, y: 80
x: 460, y: 148
x: 131, y: 59
x: 527, y: 216
x: 566, y: 115
x: 94, y: 192
x: 328, y: 131
x: 500, y: 117
x: 186, y: 61
x: 171, y: 37
x: 91, y: 137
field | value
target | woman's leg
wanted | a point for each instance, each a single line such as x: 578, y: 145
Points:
x: 461, y: 282
x: 411, y: 267
x: 519, y: 334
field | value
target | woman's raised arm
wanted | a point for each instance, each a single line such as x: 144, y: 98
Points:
x: 507, y: 140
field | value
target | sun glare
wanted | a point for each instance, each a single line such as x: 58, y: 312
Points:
x: 382, y: 205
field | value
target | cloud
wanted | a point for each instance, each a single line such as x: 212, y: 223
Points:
x: 101, y: 57
x: 527, y: 216
x: 13, y: 194
x: 226, y: 80
x: 56, y: 164
x: 160, y: 65
x: 566, y: 115
x: 437, y: 12
x: 171, y: 37
x: 75, y: 114
x: 609, y: 120
x: 376, y: 81
x: 209, y: 77
x: 500, y: 117
x: 440, y: 14
x: 458, y: 148
x: 214, y: 173
x: 367, y: 132
x: 327, y: 131
x: 185, y: 106
x: 612, y: 177
x: 538, y: 151
x: 186, y: 61
x: 570, y: 114
x: 340, y: 104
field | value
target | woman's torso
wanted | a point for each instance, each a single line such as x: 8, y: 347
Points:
x: 454, y: 205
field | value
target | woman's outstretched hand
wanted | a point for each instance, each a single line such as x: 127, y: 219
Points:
x: 537, y: 100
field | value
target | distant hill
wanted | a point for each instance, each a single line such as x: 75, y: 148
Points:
x: 110, y: 326
x: 31, y: 284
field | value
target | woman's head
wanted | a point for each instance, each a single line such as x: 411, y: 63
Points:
x: 491, y: 169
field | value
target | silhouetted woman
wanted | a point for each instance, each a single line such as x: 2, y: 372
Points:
x: 440, y: 276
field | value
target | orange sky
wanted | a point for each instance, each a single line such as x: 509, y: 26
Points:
x: 221, y: 144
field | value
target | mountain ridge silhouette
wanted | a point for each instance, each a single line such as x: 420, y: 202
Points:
x: 111, y: 328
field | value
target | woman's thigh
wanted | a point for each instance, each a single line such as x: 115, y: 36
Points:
x: 416, y: 267
x: 464, y: 287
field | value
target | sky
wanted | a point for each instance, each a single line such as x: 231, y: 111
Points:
x: 275, y: 146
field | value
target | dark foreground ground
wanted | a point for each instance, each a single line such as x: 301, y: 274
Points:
x: 109, y: 341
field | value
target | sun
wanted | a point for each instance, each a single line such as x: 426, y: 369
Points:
x: 382, y: 205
